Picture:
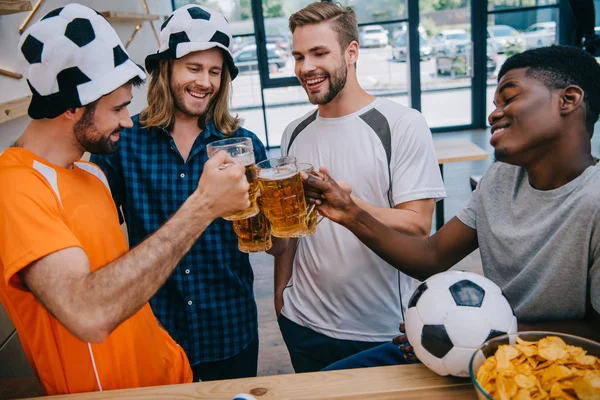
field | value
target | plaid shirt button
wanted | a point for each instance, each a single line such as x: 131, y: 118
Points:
x: 187, y: 271
x: 190, y: 303
x: 182, y: 175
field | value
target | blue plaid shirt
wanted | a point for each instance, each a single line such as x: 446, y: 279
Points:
x: 207, y: 304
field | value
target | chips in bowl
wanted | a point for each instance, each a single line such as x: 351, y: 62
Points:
x: 555, y: 366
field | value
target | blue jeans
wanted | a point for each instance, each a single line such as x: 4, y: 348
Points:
x: 242, y: 365
x: 380, y: 356
x: 311, y: 351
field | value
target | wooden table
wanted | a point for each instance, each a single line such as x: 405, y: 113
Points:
x: 454, y: 150
x: 397, y: 382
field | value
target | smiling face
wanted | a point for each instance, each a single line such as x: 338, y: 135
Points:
x: 196, y: 80
x: 321, y: 65
x: 527, y: 121
x: 98, y: 130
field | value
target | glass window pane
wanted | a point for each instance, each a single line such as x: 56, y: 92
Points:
x: 446, y: 73
x: 495, y: 5
x: 237, y: 12
x: 513, y: 32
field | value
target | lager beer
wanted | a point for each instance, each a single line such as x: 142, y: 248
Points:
x: 254, y: 233
x: 283, y: 196
x: 242, y: 152
x: 312, y: 214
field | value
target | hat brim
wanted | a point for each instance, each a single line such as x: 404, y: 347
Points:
x: 152, y: 61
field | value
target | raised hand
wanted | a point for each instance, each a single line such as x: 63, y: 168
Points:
x: 223, y: 185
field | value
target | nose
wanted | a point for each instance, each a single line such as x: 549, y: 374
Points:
x: 126, y: 121
x: 495, y: 115
x: 202, y: 79
x: 307, y: 65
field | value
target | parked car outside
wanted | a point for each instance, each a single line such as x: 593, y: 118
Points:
x: 246, y: 58
x: 399, y: 49
x: 450, y: 42
x: 373, y: 36
x: 506, y: 38
x: 460, y: 63
x: 540, y: 34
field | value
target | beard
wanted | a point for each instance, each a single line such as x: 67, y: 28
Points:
x: 178, y: 94
x: 90, y: 138
x: 337, y: 82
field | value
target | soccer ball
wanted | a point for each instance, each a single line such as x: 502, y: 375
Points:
x: 451, y: 315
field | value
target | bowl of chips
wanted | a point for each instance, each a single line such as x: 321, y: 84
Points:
x: 536, y: 365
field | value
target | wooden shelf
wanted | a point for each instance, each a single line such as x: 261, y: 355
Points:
x: 14, y: 109
x: 14, y: 6
x: 121, y: 16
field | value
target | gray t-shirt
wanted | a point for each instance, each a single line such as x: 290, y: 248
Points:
x: 541, y: 247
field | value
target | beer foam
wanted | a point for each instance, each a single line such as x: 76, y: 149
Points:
x: 277, y: 173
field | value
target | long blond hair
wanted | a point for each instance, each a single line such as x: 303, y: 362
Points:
x: 160, y: 111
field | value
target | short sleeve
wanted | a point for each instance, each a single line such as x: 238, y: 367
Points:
x: 32, y: 224
x: 415, y: 171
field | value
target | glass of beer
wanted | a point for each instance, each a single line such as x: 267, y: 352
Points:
x: 242, y: 152
x: 312, y: 214
x: 282, y: 196
x: 254, y: 233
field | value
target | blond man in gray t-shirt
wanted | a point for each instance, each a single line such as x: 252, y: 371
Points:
x: 536, y: 213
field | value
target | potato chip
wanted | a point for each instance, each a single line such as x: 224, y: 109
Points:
x: 546, y: 369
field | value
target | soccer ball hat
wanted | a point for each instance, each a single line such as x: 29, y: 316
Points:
x: 72, y: 57
x: 193, y: 28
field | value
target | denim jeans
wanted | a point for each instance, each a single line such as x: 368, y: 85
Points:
x: 242, y: 365
x: 380, y: 356
x: 312, y: 351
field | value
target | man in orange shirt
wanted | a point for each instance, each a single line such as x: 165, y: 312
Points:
x: 76, y: 296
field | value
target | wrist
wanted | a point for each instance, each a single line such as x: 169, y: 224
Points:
x: 201, y: 208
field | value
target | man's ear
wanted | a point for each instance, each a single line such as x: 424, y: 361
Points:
x: 73, y: 114
x: 352, y: 53
x: 571, y: 99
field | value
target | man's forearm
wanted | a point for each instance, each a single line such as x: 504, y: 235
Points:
x: 405, y: 221
x: 284, y: 262
x: 122, y: 287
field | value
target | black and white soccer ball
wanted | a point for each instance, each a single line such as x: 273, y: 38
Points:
x: 74, y: 53
x: 451, y: 315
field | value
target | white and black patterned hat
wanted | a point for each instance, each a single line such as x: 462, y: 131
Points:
x: 193, y: 28
x: 72, y: 57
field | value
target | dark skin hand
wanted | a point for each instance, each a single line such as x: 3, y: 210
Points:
x: 405, y: 347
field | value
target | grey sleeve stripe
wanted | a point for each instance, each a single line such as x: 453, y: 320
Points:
x: 300, y: 128
x: 379, y: 123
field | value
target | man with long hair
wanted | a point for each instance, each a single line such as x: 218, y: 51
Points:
x: 208, y: 303
x: 334, y: 297
x: 77, y: 297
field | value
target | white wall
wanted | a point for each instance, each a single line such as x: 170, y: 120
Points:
x: 143, y: 44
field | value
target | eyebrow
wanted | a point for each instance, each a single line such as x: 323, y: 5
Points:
x: 507, y: 85
x: 195, y: 64
x: 311, y: 50
x: 123, y: 104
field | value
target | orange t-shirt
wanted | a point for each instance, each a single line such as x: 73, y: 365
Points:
x: 43, y: 209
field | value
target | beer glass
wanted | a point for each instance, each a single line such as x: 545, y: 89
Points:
x: 242, y: 152
x: 312, y: 214
x: 282, y: 196
x: 254, y: 233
